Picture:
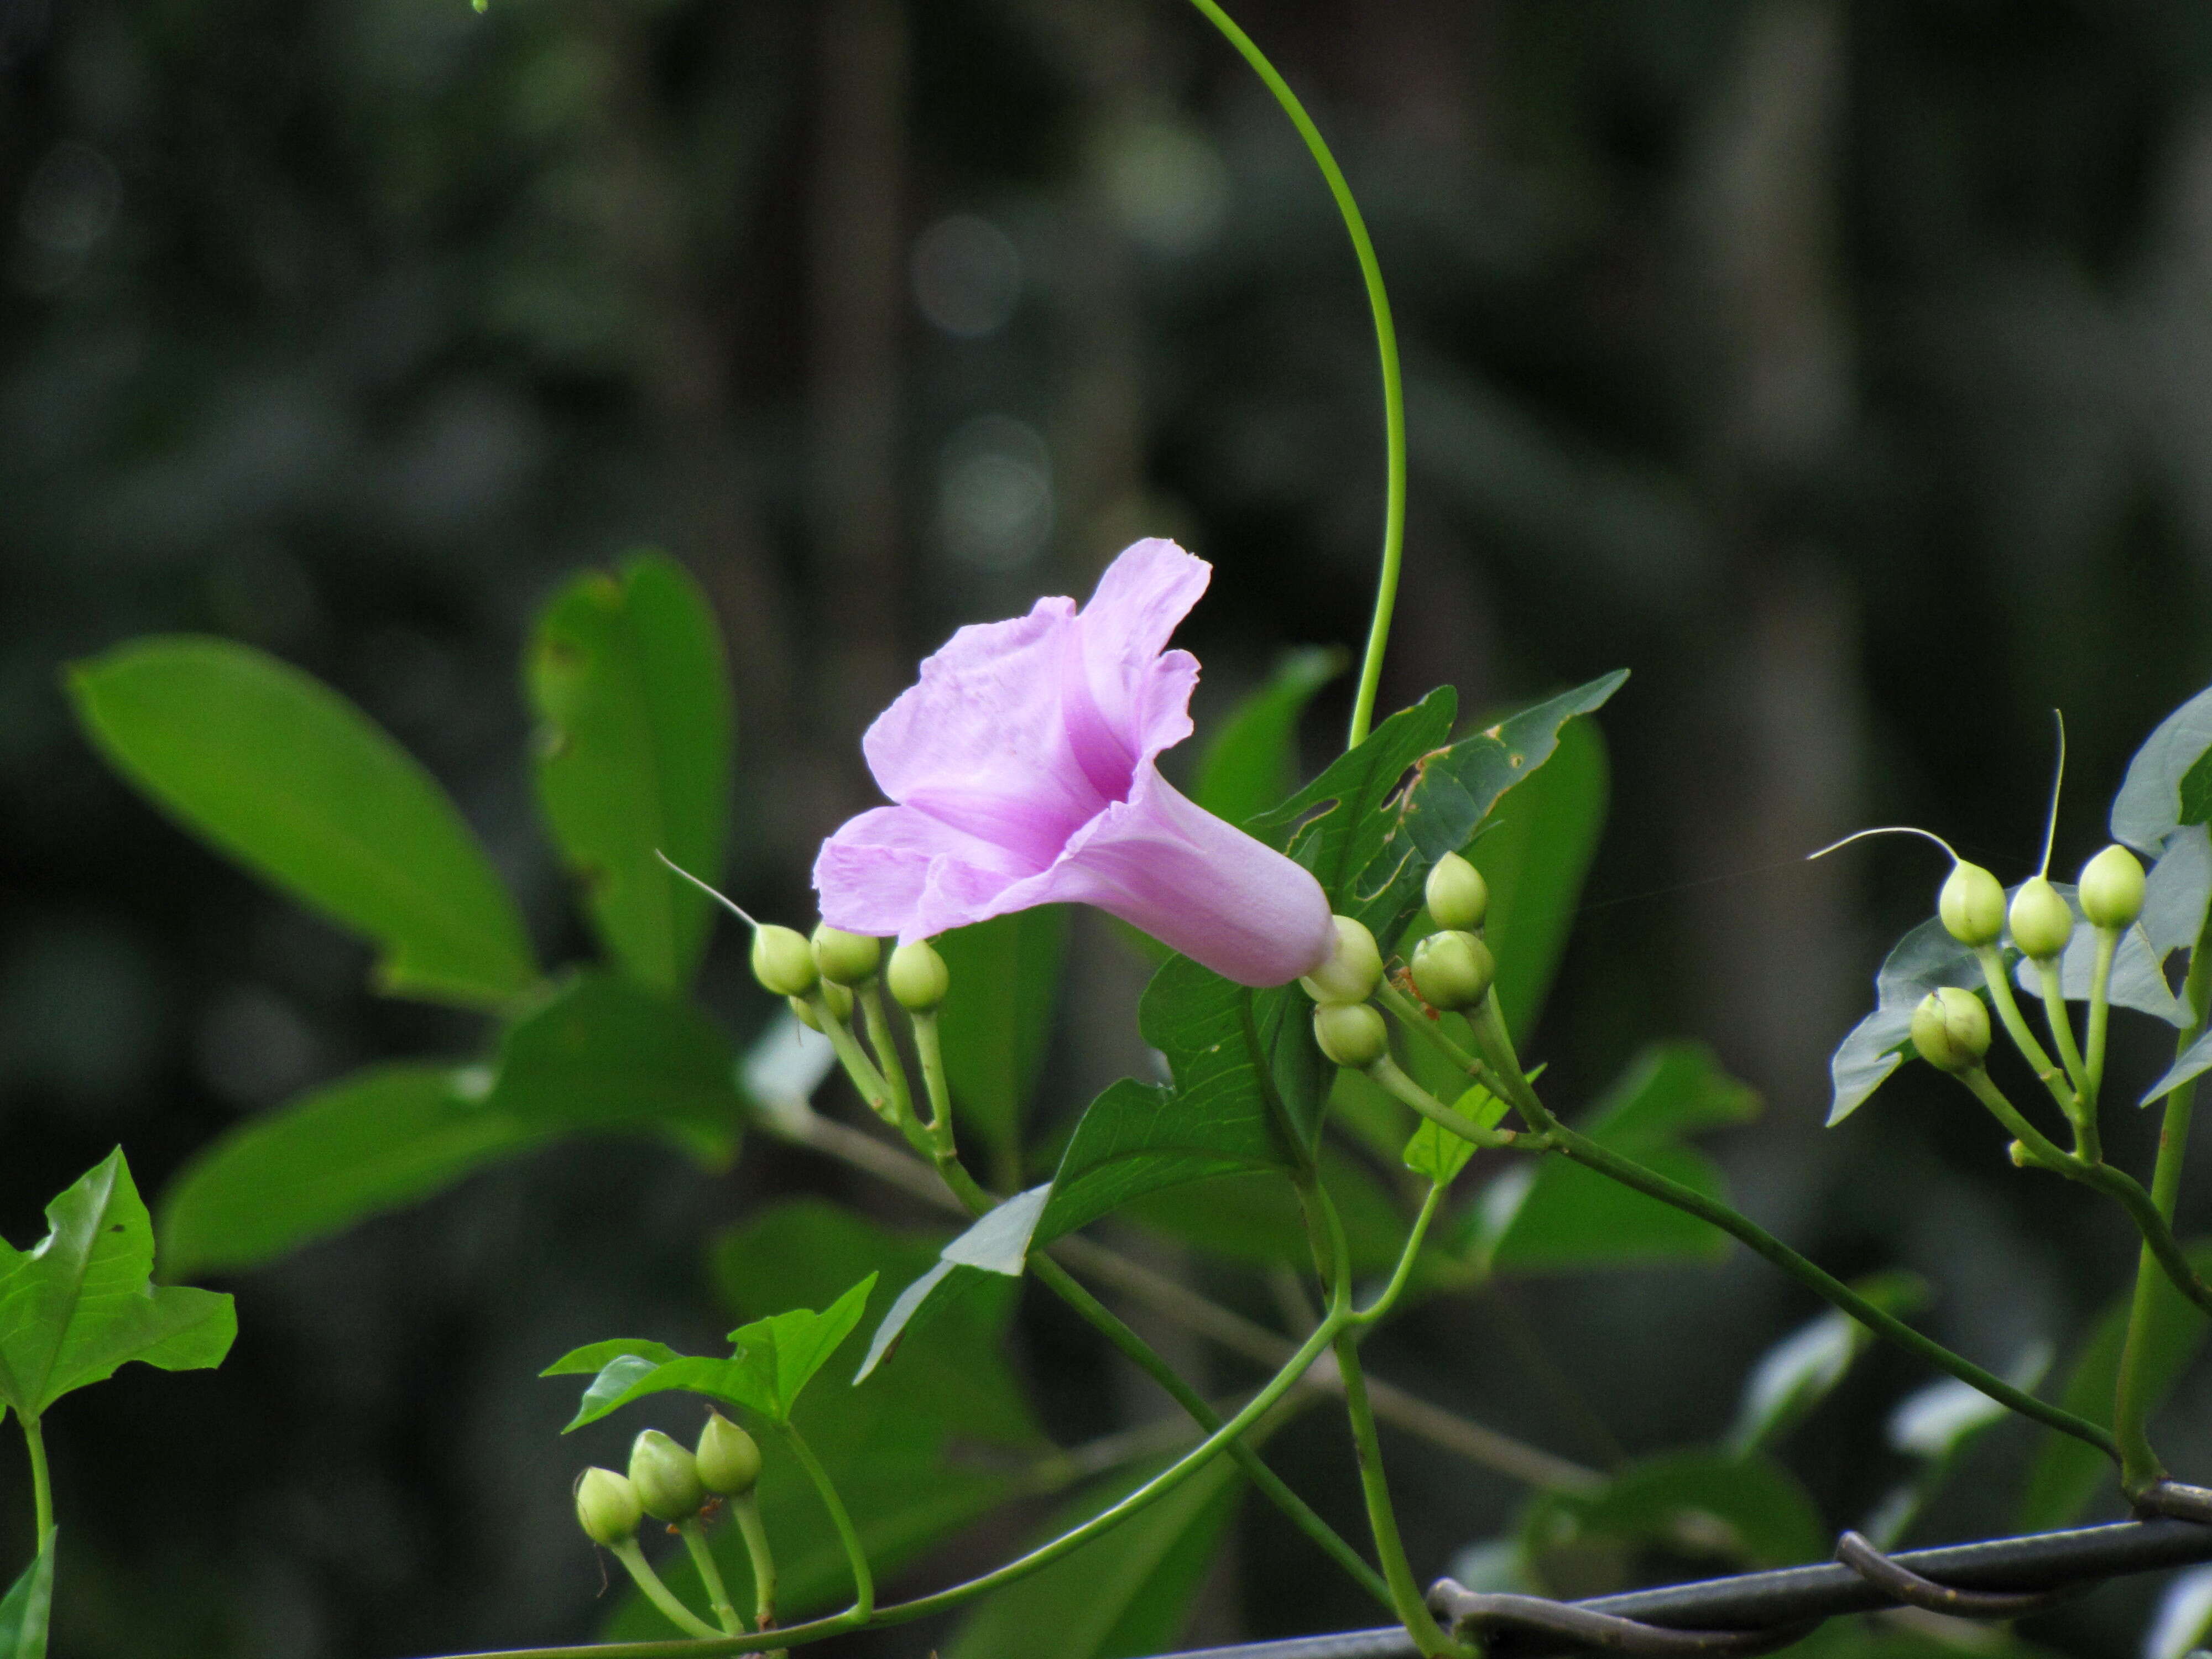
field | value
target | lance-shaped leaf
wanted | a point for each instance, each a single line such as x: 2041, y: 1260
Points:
x: 633, y: 755
x: 1252, y: 762
x: 772, y: 1362
x: 2066, y: 1475
x: 1341, y: 827
x: 81, y: 1302
x: 1456, y: 789
x: 277, y: 770
x: 605, y: 1053
x: 26, y: 1609
x: 997, y: 1244
x: 367, y: 1143
x: 1805, y: 1367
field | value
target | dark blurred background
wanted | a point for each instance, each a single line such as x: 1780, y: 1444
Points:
x: 1845, y: 371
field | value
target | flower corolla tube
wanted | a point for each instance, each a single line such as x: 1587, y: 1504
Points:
x: 1021, y: 765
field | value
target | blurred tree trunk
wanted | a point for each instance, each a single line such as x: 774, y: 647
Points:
x: 857, y: 240
x: 1778, y: 720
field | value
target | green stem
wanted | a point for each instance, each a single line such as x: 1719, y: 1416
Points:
x: 1057, y: 1280
x: 641, y: 1571
x: 1490, y: 1034
x: 864, y: 1581
x: 865, y: 1078
x: 1386, y: 1072
x: 2140, y: 1467
x: 2060, y: 1018
x: 2007, y: 1007
x: 1386, y: 347
x: 1404, y: 1271
x: 1410, y: 1015
x: 885, y: 1047
x: 1159, y: 1486
x: 42, y: 1491
x: 1405, y: 1598
x: 2154, y: 1222
x: 710, y: 1576
x: 2101, y: 1007
x: 746, y: 1511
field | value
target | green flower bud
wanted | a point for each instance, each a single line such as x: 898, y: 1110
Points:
x: 728, y: 1458
x: 2042, y: 920
x: 839, y: 999
x: 1351, y: 1034
x: 783, y: 961
x: 918, y: 977
x: 607, y: 1508
x: 2017, y: 1151
x: 666, y: 1477
x: 1458, y: 897
x: 1453, y: 971
x: 1353, y: 969
x: 2112, y: 889
x: 1973, y: 905
x: 1950, y: 1029
x: 844, y: 958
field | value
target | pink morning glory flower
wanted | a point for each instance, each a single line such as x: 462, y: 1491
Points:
x: 1023, y: 769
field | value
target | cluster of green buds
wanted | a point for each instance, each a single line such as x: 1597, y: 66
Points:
x: 1451, y: 971
x: 667, y: 1482
x: 1951, y: 1027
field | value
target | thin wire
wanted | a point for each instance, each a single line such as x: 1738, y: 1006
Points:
x: 1386, y: 348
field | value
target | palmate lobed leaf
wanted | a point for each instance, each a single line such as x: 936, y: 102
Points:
x: 278, y: 771
x: 633, y: 755
x: 772, y: 1362
x: 81, y: 1303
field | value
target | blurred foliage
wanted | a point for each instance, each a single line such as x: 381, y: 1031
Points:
x: 1841, y: 370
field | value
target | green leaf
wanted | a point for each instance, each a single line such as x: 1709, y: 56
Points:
x: 956, y: 1370
x: 274, y: 769
x: 1924, y: 960
x: 1749, y: 1511
x: 1341, y: 827
x: 1126, y: 1592
x: 81, y: 1303
x: 2183, y: 1622
x: 2151, y: 804
x: 1254, y: 1219
x: 1455, y: 790
x: 634, y: 747
x: 1252, y: 762
x: 1436, y: 1152
x: 772, y: 1362
x: 1535, y: 851
x: 607, y: 1054
x: 2067, y: 1475
x: 1554, y: 1216
x: 27, y: 1607
x: 996, y: 1243
x: 996, y: 1022
x: 369, y: 1143
x: 1805, y: 1367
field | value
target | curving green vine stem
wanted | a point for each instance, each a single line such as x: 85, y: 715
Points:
x: 1386, y: 350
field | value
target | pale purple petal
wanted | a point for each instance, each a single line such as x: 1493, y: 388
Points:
x: 1023, y: 766
x: 1195, y: 881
